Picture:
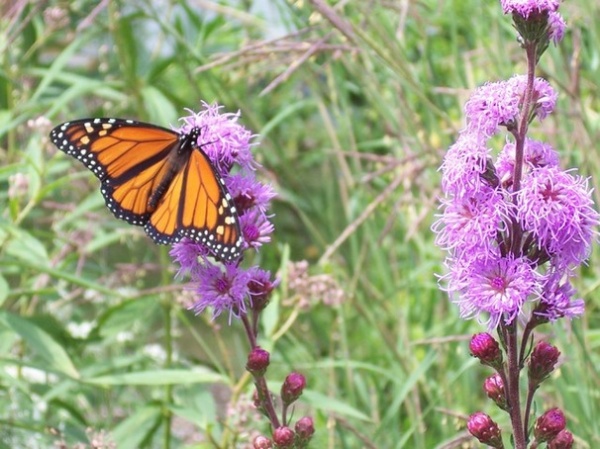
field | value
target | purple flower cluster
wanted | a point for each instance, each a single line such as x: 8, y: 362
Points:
x: 510, y: 248
x: 532, y: 10
x: 516, y: 226
x: 228, y: 287
x: 526, y: 8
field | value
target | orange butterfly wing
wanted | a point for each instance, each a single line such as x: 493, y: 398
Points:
x: 199, y: 207
x: 156, y: 178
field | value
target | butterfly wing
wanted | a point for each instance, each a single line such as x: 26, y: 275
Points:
x: 135, y: 160
x: 130, y: 159
x: 198, y: 206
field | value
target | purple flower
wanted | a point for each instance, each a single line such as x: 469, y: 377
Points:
x: 493, y: 285
x: 222, y: 289
x: 544, y: 96
x: 474, y: 221
x: 248, y: 193
x: 260, y: 288
x: 256, y: 229
x: 186, y: 253
x: 498, y: 104
x: 558, y: 209
x: 465, y: 161
x: 525, y: 8
x: 493, y: 105
x: 557, y: 298
x: 536, y: 154
x: 222, y: 138
x: 556, y: 27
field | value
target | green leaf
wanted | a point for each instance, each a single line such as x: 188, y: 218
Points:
x: 134, y: 430
x: 159, y: 108
x: 58, y: 66
x: 159, y: 377
x: 331, y: 404
x: 42, y: 343
x: 118, y: 318
x: 26, y: 247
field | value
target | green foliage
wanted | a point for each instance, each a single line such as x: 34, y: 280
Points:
x: 93, y: 327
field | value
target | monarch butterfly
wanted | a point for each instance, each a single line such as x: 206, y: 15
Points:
x: 156, y: 178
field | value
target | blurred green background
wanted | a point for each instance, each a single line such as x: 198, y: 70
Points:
x: 354, y: 104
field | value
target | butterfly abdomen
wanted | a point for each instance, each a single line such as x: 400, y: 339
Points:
x: 178, y: 157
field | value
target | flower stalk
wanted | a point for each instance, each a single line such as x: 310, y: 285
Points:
x: 230, y: 287
x: 516, y: 226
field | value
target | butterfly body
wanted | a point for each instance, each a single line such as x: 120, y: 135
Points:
x: 178, y: 156
x: 156, y: 178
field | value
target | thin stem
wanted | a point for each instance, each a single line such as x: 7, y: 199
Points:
x: 514, y: 402
x: 284, y: 414
x: 249, y: 330
x: 264, y: 396
x: 531, y: 391
x: 520, y: 133
x: 265, y: 400
x: 525, y: 342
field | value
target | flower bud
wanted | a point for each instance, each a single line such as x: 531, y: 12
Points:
x: 283, y: 437
x: 541, y: 362
x: 482, y: 427
x: 262, y: 442
x: 564, y: 440
x: 292, y: 387
x: 258, y: 361
x: 494, y: 388
x: 486, y: 349
x: 260, y: 288
x: 305, y: 428
x: 549, y: 425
